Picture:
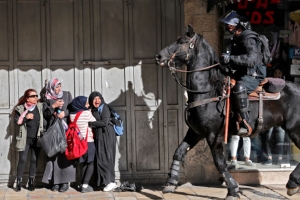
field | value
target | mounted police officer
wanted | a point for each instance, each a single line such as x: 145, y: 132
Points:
x: 245, y: 60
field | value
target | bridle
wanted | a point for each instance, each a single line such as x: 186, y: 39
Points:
x: 182, y: 52
x: 171, y: 64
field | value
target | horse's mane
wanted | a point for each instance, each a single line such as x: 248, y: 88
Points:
x: 216, y: 76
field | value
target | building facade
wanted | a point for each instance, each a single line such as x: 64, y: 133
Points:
x: 108, y: 46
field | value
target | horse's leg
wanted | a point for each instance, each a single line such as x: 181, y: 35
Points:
x: 189, y: 141
x: 293, y: 184
x: 217, y: 151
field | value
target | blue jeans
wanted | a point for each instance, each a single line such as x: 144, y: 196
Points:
x: 279, y: 134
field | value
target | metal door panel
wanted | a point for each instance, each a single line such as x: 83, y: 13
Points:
x: 5, y: 153
x: 87, y: 80
x: 145, y: 16
x: 5, y: 87
x: 146, y: 85
x: 171, y: 90
x: 67, y: 74
x: 113, y: 84
x: 29, y: 77
x: 4, y: 40
x: 62, y: 30
x: 112, y: 32
x: 147, y: 141
x: 29, y: 30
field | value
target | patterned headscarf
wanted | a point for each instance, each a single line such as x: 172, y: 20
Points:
x: 52, y: 84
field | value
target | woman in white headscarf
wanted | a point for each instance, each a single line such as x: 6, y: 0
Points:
x: 59, y: 170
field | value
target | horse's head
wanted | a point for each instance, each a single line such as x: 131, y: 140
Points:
x: 180, y: 52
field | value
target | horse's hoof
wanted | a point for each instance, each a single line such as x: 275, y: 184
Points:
x: 169, y: 189
x: 232, y: 198
x: 292, y: 191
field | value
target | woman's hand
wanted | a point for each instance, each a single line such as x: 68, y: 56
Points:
x: 58, y: 104
x: 61, y: 114
x: 29, y: 116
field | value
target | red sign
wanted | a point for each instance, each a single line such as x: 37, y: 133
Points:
x: 258, y: 11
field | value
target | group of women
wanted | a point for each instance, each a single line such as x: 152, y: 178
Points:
x: 33, y: 116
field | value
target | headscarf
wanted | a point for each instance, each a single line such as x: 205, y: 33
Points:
x: 92, y: 97
x: 28, y: 107
x: 78, y: 104
x: 50, y: 87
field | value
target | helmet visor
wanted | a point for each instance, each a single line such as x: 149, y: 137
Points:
x: 231, y: 18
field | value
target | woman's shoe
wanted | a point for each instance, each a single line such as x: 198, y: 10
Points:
x: 87, y: 189
x: 55, y: 188
x: 19, y: 183
x: 111, y: 186
x: 30, y: 184
x: 64, y: 187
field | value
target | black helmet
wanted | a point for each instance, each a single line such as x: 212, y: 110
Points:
x: 235, y: 19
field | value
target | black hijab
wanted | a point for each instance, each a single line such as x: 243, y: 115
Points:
x: 92, y: 97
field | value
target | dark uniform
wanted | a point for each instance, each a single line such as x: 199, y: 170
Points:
x: 245, y: 60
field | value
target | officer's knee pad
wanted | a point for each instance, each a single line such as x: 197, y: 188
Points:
x: 239, y: 87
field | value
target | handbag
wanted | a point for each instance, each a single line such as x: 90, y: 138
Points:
x: 53, y: 139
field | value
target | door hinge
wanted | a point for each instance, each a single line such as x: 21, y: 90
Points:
x: 46, y: 2
x: 128, y: 2
x: 131, y: 166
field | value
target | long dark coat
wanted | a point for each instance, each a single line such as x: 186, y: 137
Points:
x: 58, y: 168
x: 105, y: 142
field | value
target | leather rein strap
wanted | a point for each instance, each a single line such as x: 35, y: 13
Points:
x: 173, y: 69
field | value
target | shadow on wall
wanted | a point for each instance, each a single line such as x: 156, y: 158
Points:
x: 12, y: 155
x: 145, y: 124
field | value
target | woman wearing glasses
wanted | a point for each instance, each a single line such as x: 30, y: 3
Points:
x: 59, y: 171
x: 29, y: 118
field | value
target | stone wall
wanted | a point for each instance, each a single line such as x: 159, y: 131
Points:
x: 199, y: 165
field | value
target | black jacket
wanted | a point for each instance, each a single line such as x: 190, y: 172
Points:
x: 245, y: 56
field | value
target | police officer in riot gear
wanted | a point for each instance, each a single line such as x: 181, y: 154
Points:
x: 246, y: 63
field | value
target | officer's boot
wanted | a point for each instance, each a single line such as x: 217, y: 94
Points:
x: 242, y: 105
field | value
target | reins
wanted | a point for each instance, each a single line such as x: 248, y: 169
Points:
x: 196, y: 70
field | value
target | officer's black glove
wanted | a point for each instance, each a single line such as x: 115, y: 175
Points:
x: 225, y: 67
x: 225, y: 58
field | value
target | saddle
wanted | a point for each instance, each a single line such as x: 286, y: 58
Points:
x: 268, y: 89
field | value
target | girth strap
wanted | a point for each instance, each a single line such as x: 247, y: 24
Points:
x: 260, y: 119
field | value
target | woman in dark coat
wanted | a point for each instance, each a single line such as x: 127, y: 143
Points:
x: 59, y: 170
x: 105, y: 142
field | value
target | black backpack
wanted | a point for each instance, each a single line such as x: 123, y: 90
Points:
x: 263, y: 43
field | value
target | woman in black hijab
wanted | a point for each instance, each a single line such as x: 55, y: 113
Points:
x: 105, y: 142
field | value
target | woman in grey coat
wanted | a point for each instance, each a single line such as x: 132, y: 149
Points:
x: 28, y: 114
x: 59, y: 170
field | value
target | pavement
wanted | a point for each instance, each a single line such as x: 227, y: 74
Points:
x: 184, y: 192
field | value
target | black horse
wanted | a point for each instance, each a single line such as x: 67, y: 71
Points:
x: 207, y: 120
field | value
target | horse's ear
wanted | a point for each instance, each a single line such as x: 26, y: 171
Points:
x: 190, y: 31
